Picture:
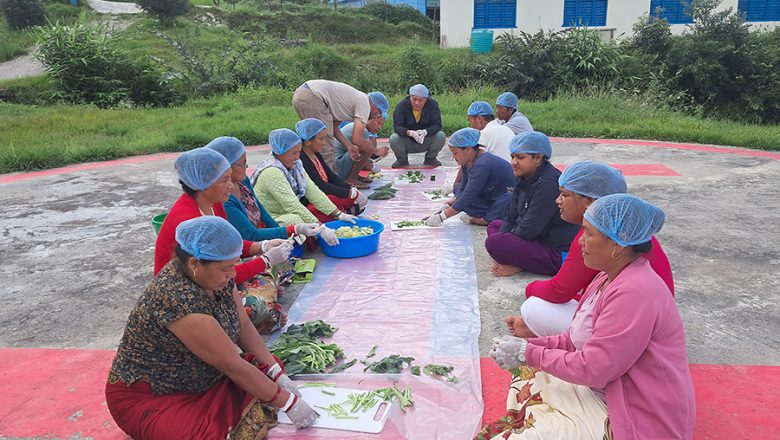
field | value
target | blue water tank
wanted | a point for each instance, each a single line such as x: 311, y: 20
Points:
x: 481, y: 40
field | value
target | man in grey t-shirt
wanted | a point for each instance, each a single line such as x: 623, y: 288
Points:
x: 333, y: 102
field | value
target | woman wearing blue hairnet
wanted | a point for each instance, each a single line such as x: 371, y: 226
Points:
x: 244, y: 210
x: 532, y: 237
x: 345, y: 196
x: 485, y: 180
x: 204, y: 175
x: 283, y: 186
x: 621, y: 370
x: 177, y: 373
x: 550, y: 304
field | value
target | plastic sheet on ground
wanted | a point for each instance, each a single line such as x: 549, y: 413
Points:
x: 417, y: 296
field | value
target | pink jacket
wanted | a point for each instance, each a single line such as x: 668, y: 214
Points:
x: 637, y: 353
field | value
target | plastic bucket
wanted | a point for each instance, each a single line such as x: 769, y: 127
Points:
x: 481, y: 41
x: 157, y: 222
x: 357, y: 246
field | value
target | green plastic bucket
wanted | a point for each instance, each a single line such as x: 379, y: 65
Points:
x: 157, y: 222
x: 481, y: 41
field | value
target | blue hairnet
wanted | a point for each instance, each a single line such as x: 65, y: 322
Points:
x: 229, y: 147
x: 507, y: 99
x: 308, y: 128
x: 531, y: 142
x: 464, y: 138
x: 625, y: 219
x: 282, y: 140
x: 593, y: 179
x: 200, y: 168
x: 209, y: 237
x: 418, y: 90
x: 480, y: 108
x: 380, y: 101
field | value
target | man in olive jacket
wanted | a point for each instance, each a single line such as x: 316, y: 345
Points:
x: 417, y: 126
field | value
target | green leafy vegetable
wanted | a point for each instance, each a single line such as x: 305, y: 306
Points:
x: 416, y: 370
x: 392, y: 364
x: 371, y: 352
x: 404, y: 397
x: 412, y: 176
x: 409, y: 223
x: 302, y: 352
x: 440, y: 371
x: 342, y: 367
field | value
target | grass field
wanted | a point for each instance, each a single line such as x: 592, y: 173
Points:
x: 45, y: 137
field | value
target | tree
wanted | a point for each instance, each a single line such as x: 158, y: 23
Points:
x: 23, y: 13
x: 164, y: 10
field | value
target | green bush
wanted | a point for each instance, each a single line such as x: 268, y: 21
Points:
x: 317, y: 61
x: 529, y: 65
x: 395, y: 14
x: 164, y: 10
x: 35, y: 90
x: 88, y: 65
x: 415, y: 67
x: 23, y: 13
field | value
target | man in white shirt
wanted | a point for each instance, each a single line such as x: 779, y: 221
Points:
x: 509, y: 116
x: 493, y: 136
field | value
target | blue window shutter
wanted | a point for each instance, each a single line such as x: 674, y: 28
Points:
x: 584, y: 12
x: 674, y: 11
x: 495, y: 14
x: 760, y: 10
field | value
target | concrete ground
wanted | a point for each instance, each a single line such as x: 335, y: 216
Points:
x: 77, y: 248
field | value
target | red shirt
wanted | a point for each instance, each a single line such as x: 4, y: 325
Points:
x: 186, y: 208
x: 574, y: 276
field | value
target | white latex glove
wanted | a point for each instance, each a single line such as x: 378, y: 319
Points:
x: 465, y: 218
x: 276, y: 374
x: 343, y: 216
x: 447, y: 188
x: 418, y: 137
x: 411, y: 133
x: 277, y: 255
x: 300, y: 413
x: 509, y: 351
x: 307, y: 229
x: 329, y: 235
x: 353, y: 193
x: 442, y: 208
x: 361, y: 200
x: 436, y: 220
x: 424, y: 133
x: 266, y: 245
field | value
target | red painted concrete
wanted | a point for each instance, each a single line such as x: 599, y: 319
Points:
x: 55, y: 393
x: 659, y: 144
x: 638, y: 169
x: 732, y: 401
x: 8, y: 178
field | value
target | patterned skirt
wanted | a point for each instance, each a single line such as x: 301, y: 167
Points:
x: 543, y: 407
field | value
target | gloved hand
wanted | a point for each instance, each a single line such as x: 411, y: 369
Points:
x: 509, y: 351
x: 307, y: 229
x: 418, y: 137
x: 329, y: 235
x: 277, y: 255
x: 465, y: 218
x: 435, y: 220
x: 300, y: 413
x: 343, y: 216
x: 266, y: 245
x: 361, y: 200
x: 276, y: 374
x: 411, y: 133
x: 442, y: 208
x: 447, y: 188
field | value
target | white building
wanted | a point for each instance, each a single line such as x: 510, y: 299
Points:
x: 614, y: 18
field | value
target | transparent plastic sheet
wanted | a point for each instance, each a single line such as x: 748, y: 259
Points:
x: 417, y: 296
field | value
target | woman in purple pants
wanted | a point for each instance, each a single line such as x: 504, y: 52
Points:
x: 532, y: 237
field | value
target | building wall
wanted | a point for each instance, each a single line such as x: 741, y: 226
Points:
x: 457, y: 18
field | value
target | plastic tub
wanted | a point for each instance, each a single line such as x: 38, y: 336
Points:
x: 357, y: 246
x: 481, y: 40
x: 157, y: 222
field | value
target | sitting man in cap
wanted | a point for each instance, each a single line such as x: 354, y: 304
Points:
x: 417, y: 126
x: 509, y: 116
x: 494, y: 136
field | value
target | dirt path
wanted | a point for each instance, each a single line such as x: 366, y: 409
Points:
x: 26, y: 65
